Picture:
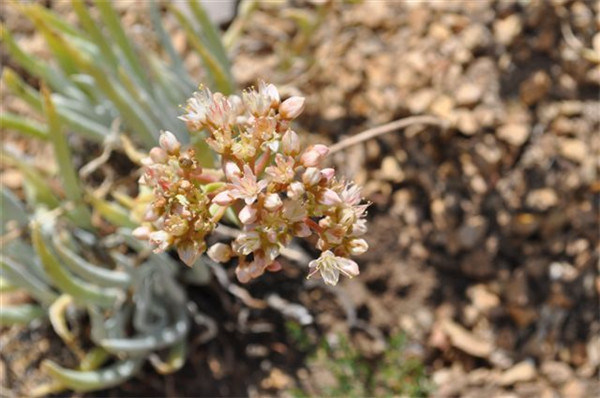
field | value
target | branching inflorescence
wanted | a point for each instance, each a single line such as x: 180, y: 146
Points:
x: 277, y: 190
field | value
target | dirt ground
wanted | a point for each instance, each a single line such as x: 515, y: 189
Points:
x: 484, y: 233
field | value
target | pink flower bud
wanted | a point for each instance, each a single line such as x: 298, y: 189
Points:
x: 158, y: 155
x: 169, y: 143
x: 291, y: 108
x: 313, y: 155
x: 257, y: 267
x: 231, y: 169
x: 311, y: 176
x: 330, y: 198
x: 295, y: 190
x: 328, y: 173
x: 188, y: 252
x: 141, y: 233
x: 243, y: 274
x: 161, y: 239
x: 223, y: 199
x: 248, y: 214
x: 357, y: 247
x: 150, y: 214
x: 290, y: 143
x: 220, y: 252
x: 272, y: 202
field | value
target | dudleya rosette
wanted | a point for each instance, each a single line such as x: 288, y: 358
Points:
x: 277, y: 190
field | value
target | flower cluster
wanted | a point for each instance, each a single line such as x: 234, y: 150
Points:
x: 277, y: 190
x: 179, y: 212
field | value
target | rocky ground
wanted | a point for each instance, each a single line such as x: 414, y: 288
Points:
x: 484, y: 232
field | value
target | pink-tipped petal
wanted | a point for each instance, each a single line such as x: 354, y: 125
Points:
x: 223, y: 199
x: 330, y: 198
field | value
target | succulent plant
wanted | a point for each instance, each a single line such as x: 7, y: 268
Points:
x: 70, y: 246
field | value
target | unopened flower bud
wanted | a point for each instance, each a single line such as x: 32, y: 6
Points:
x: 150, y: 214
x: 220, y: 252
x: 188, y: 252
x: 290, y: 143
x: 169, y: 143
x: 330, y: 198
x: 248, y: 214
x: 141, y: 233
x: 291, y: 108
x: 357, y: 246
x: 311, y: 176
x: 257, y: 267
x: 328, y: 173
x: 243, y: 274
x: 295, y: 190
x: 231, y: 169
x: 314, y: 155
x: 158, y: 155
x: 161, y: 239
x: 272, y: 202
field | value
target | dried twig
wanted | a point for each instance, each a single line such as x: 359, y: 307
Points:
x: 234, y: 289
x: 384, y: 129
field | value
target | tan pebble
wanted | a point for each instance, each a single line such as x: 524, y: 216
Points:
x: 507, y: 29
x: 542, y: 199
x: 468, y: 94
x: 513, y: 133
x: 573, y: 149
x: 466, y: 341
x: 556, y: 372
x: 574, y: 389
x: 442, y: 106
x: 521, y: 372
x: 535, y: 88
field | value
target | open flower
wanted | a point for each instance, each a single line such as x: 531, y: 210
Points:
x: 330, y: 266
x: 246, y: 187
x: 283, y: 171
x: 196, y: 109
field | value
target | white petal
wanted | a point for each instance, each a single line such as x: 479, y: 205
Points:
x: 348, y: 267
x: 330, y: 275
